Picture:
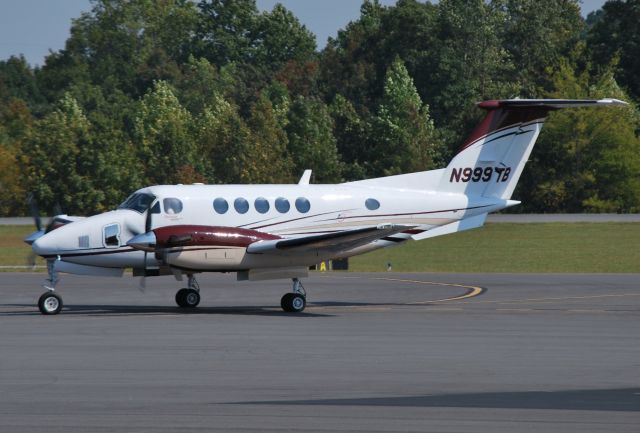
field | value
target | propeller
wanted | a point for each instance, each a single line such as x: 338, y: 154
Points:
x: 35, y: 213
x: 58, y: 220
x: 148, y: 223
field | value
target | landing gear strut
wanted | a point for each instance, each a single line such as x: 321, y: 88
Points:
x: 296, y: 301
x: 189, y: 297
x: 50, y: 302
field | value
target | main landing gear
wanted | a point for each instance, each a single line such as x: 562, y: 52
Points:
x: 50, y: 302
x: 296, y: 301
x: 189, y: 297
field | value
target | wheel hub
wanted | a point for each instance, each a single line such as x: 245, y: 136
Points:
x: 191, y: 298
x: 298, y: 303
x: 51, y: 304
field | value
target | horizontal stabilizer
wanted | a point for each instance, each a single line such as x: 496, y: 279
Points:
x: 548, y: 103
x: 458, y: 226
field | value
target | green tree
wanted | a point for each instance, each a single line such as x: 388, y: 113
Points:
x: 225, y: 30
x: 351, y: 64
x: 471, y: 64
x: 223, y: 138
x: 267, y: 159
x: 202, y: 84
x: 282, y: 38
x: 112, y: 153
x: 585, y: 159
x: 538, y: 38
x: 616, y: 34
x: 17, y: 80
x: 404, y: 134
x: 350, y: 132
x: 311, y: 140
x: 164, y: 137
x: 15, y: 126
x: 59, y: 162
x: 123, y: 45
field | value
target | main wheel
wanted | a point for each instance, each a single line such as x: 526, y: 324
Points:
x: 187, y: 298
x: 50, y: 303
x: 293, y: 303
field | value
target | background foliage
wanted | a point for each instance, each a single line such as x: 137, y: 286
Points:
x: 173, y: 91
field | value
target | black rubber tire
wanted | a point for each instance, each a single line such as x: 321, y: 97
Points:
x: 50, y: 303
x: 293, y: 303
x: 180, y: 297
x: 187, y: 298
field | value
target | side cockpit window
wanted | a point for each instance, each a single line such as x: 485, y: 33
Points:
x: 172, y: 206
x: 111, y: 236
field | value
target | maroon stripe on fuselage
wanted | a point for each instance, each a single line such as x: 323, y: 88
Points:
x: 194, y: 235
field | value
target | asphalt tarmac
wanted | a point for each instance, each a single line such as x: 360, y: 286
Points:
x: 372, y: 353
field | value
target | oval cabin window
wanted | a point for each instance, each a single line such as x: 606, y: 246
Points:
x: 220, y: 205
x: 241, y: 205
x: 282, y: 205
x: 372, y: 204
x: 303, y: 205
x: 261, y: 204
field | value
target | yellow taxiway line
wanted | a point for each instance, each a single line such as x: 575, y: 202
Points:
x: 472, y: 291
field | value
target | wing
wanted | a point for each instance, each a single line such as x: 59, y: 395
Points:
x: 326, y: 243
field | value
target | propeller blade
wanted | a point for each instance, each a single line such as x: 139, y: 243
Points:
x: 31, y: 201
x: 33, y: 237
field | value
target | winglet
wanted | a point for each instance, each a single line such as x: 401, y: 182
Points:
x: 306, y: 177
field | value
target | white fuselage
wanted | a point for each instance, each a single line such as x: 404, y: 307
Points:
x: 100, y: 240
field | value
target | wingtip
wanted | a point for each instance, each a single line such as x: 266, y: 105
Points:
x: 612, y: 101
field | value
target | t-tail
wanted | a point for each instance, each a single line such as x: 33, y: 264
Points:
x: 491, y: 160
x: 485, y: 171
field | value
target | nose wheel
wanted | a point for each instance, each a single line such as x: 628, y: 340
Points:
x: 50, y: 303
x: 296, y: 301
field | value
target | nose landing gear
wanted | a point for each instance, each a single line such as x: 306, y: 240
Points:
x: 50, y: 302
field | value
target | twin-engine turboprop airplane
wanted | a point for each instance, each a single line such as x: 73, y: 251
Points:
x: 278, y: 231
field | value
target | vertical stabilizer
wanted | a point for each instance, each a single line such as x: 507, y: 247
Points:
x: 491, y: 160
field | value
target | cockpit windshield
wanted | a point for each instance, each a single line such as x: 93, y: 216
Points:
x: 138, y: 202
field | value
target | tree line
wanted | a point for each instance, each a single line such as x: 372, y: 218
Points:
x: 172, y: 91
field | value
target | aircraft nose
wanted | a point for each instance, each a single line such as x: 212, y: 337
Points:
x: 43, y: 246
x: 144, y: 241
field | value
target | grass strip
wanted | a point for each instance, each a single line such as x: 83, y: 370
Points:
x: 503, y: 247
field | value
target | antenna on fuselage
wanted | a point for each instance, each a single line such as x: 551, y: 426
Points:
x: 306, y: 177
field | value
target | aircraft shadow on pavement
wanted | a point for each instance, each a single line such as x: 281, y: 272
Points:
x: 137, y: 310
x: 617, y: 400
